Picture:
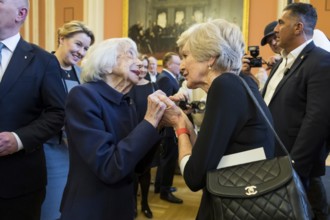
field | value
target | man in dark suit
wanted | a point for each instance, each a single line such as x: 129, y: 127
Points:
x: 152, y: 74
x: 168, y: 83
x: 31, y: 112
x: 297, y: 94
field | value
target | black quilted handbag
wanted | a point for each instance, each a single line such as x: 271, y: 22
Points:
x: 261, y: 190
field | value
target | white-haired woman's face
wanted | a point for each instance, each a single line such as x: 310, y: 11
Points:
x: 128, y: 66
x: 194, y: 71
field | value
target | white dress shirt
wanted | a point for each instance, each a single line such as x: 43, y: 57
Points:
x: 288, y: 60
x: 7, y: 52
x: 153, y: 77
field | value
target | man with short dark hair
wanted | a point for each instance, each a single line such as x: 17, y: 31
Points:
x: 297, y: 94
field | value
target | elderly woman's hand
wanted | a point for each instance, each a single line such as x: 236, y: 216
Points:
x: 155, y: 108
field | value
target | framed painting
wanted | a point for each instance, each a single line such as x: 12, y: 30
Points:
x: 155, y: 25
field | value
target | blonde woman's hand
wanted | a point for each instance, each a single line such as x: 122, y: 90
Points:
x: 179, y: 96
x: 155, y: 108
x: 173, y: 115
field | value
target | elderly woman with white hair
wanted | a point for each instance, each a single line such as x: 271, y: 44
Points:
x: 212, y: 54
x: 105, y: 139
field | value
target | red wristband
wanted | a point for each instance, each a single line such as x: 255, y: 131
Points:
x: 182, y: 131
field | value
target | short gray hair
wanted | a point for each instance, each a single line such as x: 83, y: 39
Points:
x: 101, y: 59
x: 216, y: 38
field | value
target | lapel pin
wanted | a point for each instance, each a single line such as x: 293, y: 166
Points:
x: 25, y: 57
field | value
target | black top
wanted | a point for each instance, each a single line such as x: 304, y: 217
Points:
x: 231, y: 124
x: 70, y: 79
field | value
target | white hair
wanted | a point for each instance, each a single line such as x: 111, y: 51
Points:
x: 101, y: 59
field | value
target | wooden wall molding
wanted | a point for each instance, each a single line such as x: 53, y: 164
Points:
x: 94, y: 17
x: 50, y: 25
x: 35, y: 20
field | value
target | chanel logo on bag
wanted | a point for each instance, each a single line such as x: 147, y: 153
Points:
x: 250, y: 190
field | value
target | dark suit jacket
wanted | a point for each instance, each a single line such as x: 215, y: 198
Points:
x: 167, y: 83
x: 169, y: 86
x: 31, y: 105
x: 300, y: 108
x: 105, y: 144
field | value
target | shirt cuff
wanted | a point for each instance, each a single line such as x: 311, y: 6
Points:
x: 19, y: 142
x: 183, y: 163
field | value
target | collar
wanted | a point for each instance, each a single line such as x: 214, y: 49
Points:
x: 12, y: 42
x: 106, y: 91
x: 152, y: 74
x: 292, y: 56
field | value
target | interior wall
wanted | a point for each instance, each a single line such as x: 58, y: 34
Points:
x: 261, y: 13
x: 116, y: 18
x: 323, y: 12
x: 66, y: 11
x: 114, y: 22
x: 42, y: 23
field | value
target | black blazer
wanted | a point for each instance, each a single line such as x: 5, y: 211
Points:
x: 232, y: 123
x: 31, y: 105
x: 300, y: 108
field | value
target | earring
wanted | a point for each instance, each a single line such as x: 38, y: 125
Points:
x: 210, y: 67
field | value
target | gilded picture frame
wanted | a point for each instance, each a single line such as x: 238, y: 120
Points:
x: 155, y: 24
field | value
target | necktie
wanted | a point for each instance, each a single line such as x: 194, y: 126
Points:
x: 1, y: 46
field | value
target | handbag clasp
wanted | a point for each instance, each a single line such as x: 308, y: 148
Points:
x: 250, y: 190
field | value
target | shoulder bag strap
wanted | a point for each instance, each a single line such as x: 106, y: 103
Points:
x: 264, y: 116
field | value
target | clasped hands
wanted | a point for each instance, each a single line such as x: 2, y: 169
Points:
x: 162, y: 111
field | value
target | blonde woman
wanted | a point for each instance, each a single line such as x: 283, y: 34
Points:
x: 212, y: 54
x: 74, y: 39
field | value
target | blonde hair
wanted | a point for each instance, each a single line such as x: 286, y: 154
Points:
x: 73, y: 27
x: 216, y: 38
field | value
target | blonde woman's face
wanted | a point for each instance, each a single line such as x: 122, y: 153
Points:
x: 143, y: 69
x: 194, y: 71
x: 73, y: 49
